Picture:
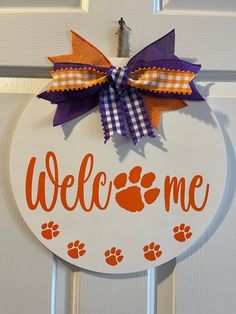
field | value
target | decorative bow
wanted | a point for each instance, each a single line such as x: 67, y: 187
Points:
x: 130, y: 99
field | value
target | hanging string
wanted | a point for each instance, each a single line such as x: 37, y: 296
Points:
x: 123, y: 32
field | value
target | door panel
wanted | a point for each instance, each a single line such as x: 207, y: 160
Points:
x: 32, y: 36
x: 25, y: 265
x: 206, y: 5
x: 123, y: 293
x: 40, y: 4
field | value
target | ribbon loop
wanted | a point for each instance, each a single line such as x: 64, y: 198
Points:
x: 159, y: 80
x: 76, y: 79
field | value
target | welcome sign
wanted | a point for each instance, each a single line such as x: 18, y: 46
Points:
x: 117, y: 207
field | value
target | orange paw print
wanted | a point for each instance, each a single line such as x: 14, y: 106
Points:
x: 49, y: 230
x: 131, y: 198
x: 182, y: 233
x: 152, y: 251
x: 113, y: 256
x: 76, y: 249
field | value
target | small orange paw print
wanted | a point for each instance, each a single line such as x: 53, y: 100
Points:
x: 49, y: 230
x: 152, y: 251
x: 76, y: 249
x: 182, y: 233
x: 113, y: 256
x: 131, y: 198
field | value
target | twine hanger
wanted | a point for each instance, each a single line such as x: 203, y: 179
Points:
x: 123, y: 33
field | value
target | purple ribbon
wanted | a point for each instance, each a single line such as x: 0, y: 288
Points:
x: 121, y: 105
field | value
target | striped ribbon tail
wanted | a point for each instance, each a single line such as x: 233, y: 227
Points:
x: 112, y: 116
x: 137, y: 118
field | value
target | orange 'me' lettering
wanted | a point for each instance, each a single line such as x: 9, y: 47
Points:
x: 178, y: 189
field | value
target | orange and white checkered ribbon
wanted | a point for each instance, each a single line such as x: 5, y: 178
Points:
x: 161, y: 80
x: 74, y: 79
x: 157, y: 80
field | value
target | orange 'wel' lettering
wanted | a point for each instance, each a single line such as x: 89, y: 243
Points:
x: 52, y: 174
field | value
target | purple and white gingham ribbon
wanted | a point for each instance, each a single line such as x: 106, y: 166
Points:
x: 121, y: 106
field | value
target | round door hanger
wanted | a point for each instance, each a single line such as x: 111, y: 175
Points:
x: 116, y: 207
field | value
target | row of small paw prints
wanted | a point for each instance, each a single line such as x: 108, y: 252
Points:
x: 113, y: 256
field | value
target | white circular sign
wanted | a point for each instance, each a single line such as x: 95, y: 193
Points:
x: 116, y: 207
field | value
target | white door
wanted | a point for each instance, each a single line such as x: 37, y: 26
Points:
x: 32, y: 280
